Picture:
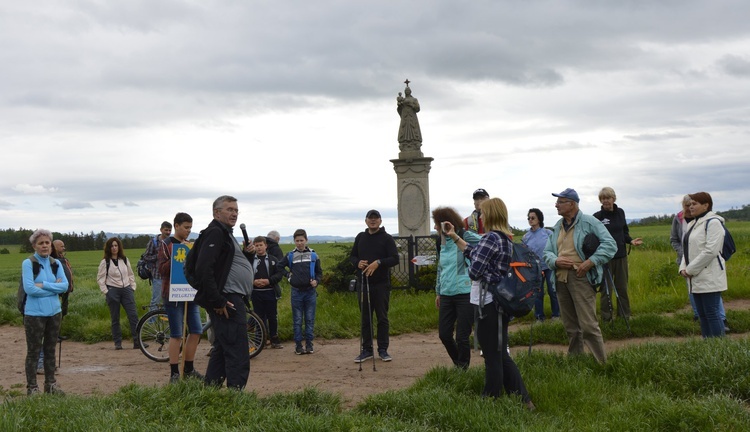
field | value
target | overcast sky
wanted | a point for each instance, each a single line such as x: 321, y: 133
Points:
x: 116, y: 115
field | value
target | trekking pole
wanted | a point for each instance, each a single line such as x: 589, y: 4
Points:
x: 369, y: 316
x: 610, y: 280
x: 362, y: 315
x: 608, y: 293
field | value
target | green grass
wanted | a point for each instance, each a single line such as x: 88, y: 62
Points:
x: 698, y: 385
x: 694, y: 385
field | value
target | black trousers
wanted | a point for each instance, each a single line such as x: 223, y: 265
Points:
x: 265, y: 305
x: 230, y: 358
x: 377, y: 301
x: 500, y: 371
x: 41, y: 335
x: 456, y: 313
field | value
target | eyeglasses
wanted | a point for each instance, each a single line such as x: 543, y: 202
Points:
x: 558, y: 202
x: 531, y: 217
x: 231, y: 210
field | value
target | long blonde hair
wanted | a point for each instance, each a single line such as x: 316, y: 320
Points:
x: 495, y: 216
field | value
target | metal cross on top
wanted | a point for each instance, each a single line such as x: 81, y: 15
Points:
x: 407, y: 82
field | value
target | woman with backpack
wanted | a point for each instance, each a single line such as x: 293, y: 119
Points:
x: 43, y: 280
x: 490, y: 261
x: 117, y: 282
x: 453, y: 289
x: 702, y: 264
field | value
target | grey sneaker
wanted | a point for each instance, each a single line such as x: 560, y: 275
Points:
x: 40, y: 371
x: 310, y: 349
x: 53, y: 389
x: 173, y: 378
x: 276, y: 346
x: 363, y: 357
x: 299, y: 350
x: 33, y: 391
x: 385, y: 356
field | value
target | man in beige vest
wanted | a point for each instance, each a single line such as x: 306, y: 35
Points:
x: 578, y: 275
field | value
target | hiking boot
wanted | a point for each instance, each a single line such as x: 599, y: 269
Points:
x: 194, y: 374
x: 299, y: 350
x: 363, y: 357
x: 383, y: 354
x: 53, y: 389
x: 310, y: 349
x: 174, y: 377
x: 33, y: 391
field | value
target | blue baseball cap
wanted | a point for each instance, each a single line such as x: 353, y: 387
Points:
x: 568, y: 193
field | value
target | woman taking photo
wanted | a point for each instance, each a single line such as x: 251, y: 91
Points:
x: 453, y: 288
x: 117, y: 282
x: 43, y: 281
x: 490, y: 261
x: 702, y: 264
x: 536, y: 239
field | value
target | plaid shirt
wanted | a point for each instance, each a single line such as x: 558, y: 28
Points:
x: 490, y: 258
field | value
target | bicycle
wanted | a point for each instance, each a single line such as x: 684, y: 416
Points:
x: 153, y: 334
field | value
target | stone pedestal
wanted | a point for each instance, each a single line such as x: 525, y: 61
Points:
x: 413, y: 188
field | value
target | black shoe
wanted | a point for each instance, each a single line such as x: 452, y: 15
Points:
x: 299, y: 350
x: 118, y: 346
x: 194, y: 374
x: 309, y: 349
x: 366, y: 355
x: 173, y: 378
x: 384, y: 356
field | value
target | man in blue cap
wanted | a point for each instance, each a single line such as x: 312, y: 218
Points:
x: 578, y: 271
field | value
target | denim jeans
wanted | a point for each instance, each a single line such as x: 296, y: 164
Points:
x: 456, y: 312
x: 156, y: 298
x: 552, y: 291
x: 303, y: 308
x: 126, y: 298
x: 709, y: 313
x: 176, y: 315
x: 722, y: 312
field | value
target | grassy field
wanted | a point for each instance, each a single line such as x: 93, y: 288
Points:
x: 694, y: 385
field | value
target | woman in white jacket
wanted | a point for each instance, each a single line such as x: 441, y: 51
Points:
x: 702, y: 264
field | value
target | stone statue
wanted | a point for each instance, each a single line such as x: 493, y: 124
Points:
x: 409, y: 134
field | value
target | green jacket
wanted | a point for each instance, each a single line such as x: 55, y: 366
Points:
x: 453, y: 270
x: 584, y: 225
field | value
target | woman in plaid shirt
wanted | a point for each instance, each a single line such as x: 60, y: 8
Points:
x: 490, y: 261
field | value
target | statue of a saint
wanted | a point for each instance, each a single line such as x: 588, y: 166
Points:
x: 409, y: 134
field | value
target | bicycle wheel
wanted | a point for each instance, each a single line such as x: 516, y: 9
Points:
x: 256, y: 333
x: 153, y: 334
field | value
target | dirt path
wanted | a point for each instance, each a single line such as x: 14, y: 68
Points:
x: 99, y: 369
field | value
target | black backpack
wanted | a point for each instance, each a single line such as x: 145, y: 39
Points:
x: 189, y: 268
x: 516, y: 293
x: 35, y: 268
x: 141, y: 267
x: 728, y: 248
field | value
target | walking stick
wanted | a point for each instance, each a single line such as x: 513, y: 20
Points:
x: 361, y: 312
x: 609, y: 281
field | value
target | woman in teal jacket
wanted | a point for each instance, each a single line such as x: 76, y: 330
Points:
x: 453, y: 289
x: 42, y: 311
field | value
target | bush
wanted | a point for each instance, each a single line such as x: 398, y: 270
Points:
x: 4, y: 251
x: 337, y: 277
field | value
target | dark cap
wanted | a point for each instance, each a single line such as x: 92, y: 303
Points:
x: 373, y: 214
x: 480, y: 193
x: 568, y: 193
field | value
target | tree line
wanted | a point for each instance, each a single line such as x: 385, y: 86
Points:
x: 740, y: 214
x: 73, y: 241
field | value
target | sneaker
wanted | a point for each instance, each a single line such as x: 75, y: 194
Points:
x: 194, y: 374
x: 726, y: 327
x: 299, y: 350
x: 173, y: 378
x: 277, y: 346
x: 385, y: 356
x: 118, y: 346
x: 138, y: 346
x: 40, y: 371
x: 310, y: 349
x: 53, y: 389
x: 32, y: 391
x: 363, y: 357
x: 530, y: 406
x: 210, y: 351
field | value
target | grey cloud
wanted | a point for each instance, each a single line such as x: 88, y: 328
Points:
x: 33, y: 189
x: 657, y: 136
x: 72, y: 205
x: 5, y: 204
x: 735, y: 66
x: 130, y: 204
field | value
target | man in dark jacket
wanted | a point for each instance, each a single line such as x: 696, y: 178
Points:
x: 225, y: 278
x: 373, y: 253
x: 272, y: 245
x: 265, y: 288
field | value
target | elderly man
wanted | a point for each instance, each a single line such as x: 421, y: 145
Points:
x: 225, y: 275
x: 578, y: 273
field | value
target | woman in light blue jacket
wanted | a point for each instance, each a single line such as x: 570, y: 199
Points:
x: 453, y: 289
x: 536, y: 240
x: 43, y: 281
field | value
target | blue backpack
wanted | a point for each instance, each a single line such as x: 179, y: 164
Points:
x: 313, y: 258
x: 729, y: 248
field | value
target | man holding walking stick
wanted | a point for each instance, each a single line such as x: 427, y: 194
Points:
x: 373, y: 253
